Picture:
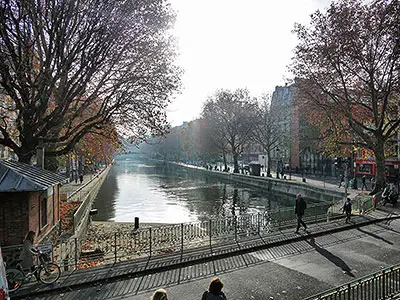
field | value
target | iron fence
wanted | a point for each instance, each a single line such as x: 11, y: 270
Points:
x: 176, y: 238
x: 384, y: 284
x: 85, y: 189
x: 95, y: 249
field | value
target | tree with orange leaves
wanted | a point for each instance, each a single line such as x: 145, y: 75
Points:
x: 98, y: 146
x: 348, y: 62
x: 71, y: 67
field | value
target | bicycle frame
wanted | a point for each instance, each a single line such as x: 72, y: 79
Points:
x: 20, y: 276
x: 28, y: 276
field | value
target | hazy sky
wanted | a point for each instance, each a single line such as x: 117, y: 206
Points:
x: 234, y: 44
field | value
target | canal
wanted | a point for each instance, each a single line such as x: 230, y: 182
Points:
x: 159, y: 193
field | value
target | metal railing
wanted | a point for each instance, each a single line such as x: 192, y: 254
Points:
x: 79, y: 215
x: 383, y: 284
x: 85, y: 189
x: 95, y: 249
x: 359, y: 206
x: 176, y: 238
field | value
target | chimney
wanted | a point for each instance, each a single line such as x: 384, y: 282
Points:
x: 40, y: 154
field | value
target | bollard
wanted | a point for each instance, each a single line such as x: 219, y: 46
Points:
x: 136, y: 222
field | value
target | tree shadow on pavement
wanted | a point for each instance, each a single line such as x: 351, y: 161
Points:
x: 331, y: 257
x: 375, y: 236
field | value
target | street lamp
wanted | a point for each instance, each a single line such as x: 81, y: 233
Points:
x: 277, y: 162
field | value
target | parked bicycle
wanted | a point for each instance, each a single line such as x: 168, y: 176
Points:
x: 46, y: 272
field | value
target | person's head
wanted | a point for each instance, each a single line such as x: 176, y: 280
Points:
x: 298, y: 196
x: 216, y: 286
x: 30, y: 236
x: 348, y: 200
x: 160, y: 294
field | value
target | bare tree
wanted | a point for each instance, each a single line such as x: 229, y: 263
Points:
x: 68, y: 66
x: 348, y: 59
x: 268, y: 130
x: 231, y: 116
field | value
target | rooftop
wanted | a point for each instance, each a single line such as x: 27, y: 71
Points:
x: 20, y: 177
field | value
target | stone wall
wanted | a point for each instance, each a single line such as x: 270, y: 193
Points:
x: 286, y: 187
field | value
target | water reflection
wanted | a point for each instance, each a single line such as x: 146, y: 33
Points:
x: 158, y: 193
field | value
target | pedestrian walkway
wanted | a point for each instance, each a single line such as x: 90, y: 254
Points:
x: 79, y: 279
x: 73, y: 186
x: 328, y: 183
x: 77, y: 191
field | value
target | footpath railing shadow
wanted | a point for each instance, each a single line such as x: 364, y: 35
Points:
x: 264, y: 256
x: 384, y: 284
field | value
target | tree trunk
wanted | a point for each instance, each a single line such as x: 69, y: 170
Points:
x: 380, y: 176
x: 269, y: 163
x: 50, y: 163
x: 225, y: 163
x: 235, y: 163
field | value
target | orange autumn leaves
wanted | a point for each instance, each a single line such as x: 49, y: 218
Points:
x: 98, y: 146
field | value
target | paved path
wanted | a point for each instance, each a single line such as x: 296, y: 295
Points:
x: 73, y: 186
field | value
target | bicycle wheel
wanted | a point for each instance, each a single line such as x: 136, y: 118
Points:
x: 49, y: 273
x: 15, y: 278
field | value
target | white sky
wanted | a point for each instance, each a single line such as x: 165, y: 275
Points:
x: 234, y: 44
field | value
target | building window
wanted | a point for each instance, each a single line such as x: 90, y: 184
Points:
x: 43, y: 212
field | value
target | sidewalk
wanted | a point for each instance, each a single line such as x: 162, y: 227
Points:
x: 120, y: 271
x: 77, y: 191
x: 328, y: 183
x: 73, y: 186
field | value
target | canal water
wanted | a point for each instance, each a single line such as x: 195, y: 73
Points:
x: 160, y: 193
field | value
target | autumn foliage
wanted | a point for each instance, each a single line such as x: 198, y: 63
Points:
x: 347, y: 64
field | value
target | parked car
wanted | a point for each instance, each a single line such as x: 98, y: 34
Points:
x: 3, y: 280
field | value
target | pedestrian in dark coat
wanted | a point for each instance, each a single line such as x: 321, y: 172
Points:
x: 299, y: 211
x: 214, y: 290
x: 347, y: 209
x: 364, y: 185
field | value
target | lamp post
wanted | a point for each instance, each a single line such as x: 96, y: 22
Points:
x: 277, y: 162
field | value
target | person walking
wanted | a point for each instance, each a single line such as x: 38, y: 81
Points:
x: 364, y: 185
x: 160, y: 294
x: 341, y: 180
x: 214, y: 291
x: 347, y: 209
x: 299, y: 211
